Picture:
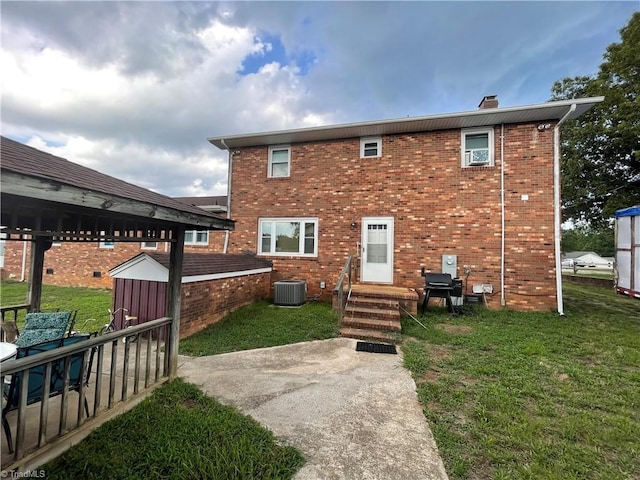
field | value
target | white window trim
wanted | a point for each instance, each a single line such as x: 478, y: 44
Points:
x: 110, y: 244
x: 365, y: 140
x: 300, y: 253
x: 279, y: 147
x: 143, y: 246
x: 475, y: 131
x: 195, y: 238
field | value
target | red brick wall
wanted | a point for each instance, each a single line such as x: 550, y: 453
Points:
x: 74, y: 264
x: 204, y: 303
x: 438, y: 208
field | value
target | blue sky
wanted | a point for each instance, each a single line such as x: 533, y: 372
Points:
x: 133, y: 89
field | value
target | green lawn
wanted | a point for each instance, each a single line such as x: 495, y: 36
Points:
x: 178, y: 433
x: 507, y: 395
x: 91, y: 303
x: 533, y: 396
x: 262, y: 324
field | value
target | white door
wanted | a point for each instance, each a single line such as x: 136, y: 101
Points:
x: 377, y: 250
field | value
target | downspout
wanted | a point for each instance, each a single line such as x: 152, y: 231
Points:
x: 227, y: 232
x: 556, y: 205
x: 23, y: 271
x: 503, y: 301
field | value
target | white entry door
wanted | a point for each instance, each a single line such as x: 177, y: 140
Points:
x: 377, y: 250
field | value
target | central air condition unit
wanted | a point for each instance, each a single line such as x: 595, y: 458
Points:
x: 290, y: 292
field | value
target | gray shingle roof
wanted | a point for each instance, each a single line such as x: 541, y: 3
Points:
x: 211, y: 263
x: 22, y: 159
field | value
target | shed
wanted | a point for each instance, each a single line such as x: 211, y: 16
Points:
x: 213, y: 284
x: 628, y: 251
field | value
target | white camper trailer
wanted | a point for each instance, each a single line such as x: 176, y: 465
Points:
x: 628, y: 251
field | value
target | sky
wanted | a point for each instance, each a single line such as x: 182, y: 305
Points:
x: 134, y: 89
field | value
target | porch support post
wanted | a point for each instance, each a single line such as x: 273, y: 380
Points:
x: 34, y: 296
x: 176, y: 258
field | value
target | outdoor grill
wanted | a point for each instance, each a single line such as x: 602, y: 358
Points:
x: 441, y: 285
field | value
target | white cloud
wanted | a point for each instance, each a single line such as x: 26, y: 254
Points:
x: 133, y: 89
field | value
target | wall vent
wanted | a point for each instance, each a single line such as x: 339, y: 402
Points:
x: 290, y: 292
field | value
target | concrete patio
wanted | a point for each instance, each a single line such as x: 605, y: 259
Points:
x: 353, y: 415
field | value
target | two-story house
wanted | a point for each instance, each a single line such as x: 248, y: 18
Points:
x: 481, y: 187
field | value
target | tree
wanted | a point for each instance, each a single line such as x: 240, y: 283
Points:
x: 601, y: 149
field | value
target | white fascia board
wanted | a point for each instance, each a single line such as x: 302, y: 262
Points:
x: 218, y: 276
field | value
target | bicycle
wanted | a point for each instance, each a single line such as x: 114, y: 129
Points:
x: 112, y: 327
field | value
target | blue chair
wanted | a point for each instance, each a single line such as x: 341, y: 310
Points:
x: 43, y: 326
x: 11, y: 391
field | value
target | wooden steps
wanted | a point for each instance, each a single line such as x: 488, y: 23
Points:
x: 373, y: 313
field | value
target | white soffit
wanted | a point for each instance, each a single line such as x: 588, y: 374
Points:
x: 474, y: 118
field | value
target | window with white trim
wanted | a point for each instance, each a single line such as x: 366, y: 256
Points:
x: 288, y: 236
x: 370, y: 147
x: 477, y: 147
x: 149, y: 245
x: 279, y: 162
x: 196, y: 237
x: 107, y: 243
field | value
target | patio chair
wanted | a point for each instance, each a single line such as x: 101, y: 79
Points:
x: 77, y: 377
x: 42, y: 327
x: 10, y: 331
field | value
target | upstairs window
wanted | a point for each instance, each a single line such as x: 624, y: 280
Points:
x: 288, y: 236
x: 477, y: 147
x: 196, y: 237
x: 279, y: 162
x: 370, y: 147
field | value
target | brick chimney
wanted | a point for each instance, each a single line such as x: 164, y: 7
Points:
x: 489, y: 101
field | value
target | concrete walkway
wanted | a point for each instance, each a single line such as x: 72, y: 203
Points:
x: 353, y: 415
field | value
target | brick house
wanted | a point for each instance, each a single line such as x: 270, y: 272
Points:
x: 87, y: 265
x: 481, y: 185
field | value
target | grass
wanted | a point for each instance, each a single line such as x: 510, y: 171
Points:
x: 533, y: 395
x: 179, y: 433
x: 91, y: 303
x: 261, y: 324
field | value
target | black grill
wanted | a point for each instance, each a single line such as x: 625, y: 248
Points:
x: 441, y: 285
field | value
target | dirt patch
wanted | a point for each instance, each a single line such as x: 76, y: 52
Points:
x: 437, y: 352
x: 454, y: 329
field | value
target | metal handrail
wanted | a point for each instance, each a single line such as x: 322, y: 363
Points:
x: 345, y: 273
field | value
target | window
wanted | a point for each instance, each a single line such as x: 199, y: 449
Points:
x: 370, y: 147
x: 279, y: 161
x: 477, y: 147
x: 106, y: 243
x: 288, y: 236
x: 149, y: 245
x: 196, y: 237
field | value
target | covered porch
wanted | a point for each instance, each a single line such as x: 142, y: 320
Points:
x: 48, y: 199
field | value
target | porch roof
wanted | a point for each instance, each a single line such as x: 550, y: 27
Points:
x: 477, y: 118
x: 43, y: 194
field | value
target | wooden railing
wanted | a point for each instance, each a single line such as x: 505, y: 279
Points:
x: 126, y: 364
x: 10, y: 314
x: 346, y: 275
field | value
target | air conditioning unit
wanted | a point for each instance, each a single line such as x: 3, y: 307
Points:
x: 290, y: 292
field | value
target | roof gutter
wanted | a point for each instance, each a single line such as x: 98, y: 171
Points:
x: 556, y: 204
x: 226, y: 236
